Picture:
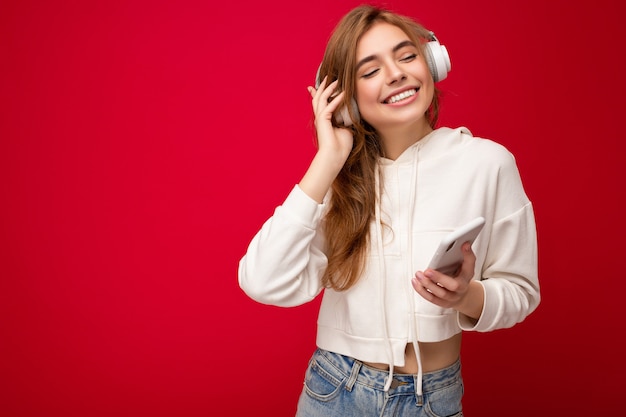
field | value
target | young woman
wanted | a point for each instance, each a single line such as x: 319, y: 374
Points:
x: 382, y: 190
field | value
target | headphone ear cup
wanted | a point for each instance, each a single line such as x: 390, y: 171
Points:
x: 341, y: 115
x: 438, y: 60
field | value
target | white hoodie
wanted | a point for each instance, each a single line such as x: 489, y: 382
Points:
x: 443, y: 181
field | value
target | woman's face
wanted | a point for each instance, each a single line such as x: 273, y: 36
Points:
x: 393, y: 83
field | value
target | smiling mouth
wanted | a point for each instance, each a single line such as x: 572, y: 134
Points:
x: 402, y: 96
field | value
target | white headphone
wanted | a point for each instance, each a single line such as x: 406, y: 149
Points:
x: 439, y: 65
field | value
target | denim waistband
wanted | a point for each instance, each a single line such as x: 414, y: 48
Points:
x: 375, y: 378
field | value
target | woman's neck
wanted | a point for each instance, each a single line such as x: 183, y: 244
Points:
x: 396, y: 140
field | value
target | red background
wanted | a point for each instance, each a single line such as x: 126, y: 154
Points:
x: 143, y: 143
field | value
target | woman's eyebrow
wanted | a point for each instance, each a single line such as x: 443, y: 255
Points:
x: 373, y: 57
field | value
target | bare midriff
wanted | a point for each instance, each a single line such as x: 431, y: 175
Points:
x: 435, y: 356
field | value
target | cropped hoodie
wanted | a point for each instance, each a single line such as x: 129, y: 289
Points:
x: 441, y: 182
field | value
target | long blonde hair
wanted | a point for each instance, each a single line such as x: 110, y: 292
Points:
x: 353, y: 193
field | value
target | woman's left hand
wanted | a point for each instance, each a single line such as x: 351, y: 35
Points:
x: 459, y: 292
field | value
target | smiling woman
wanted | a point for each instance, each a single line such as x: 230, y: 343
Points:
x: 363, y: 222
x: 143, y: 143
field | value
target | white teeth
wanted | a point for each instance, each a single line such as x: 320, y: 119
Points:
x: 401, y: 96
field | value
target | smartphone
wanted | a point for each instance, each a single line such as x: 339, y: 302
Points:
x: 449, y: 257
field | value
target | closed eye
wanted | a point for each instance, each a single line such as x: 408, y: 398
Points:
x: 408, y: 58
x: 370, y: 73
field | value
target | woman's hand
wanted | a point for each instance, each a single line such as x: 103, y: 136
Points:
x: 460, y: 292
x: 334, y: 142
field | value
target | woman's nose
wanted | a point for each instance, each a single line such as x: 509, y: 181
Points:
x: 395, y: 74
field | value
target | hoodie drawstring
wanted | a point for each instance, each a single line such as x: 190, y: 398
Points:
x: 411, y: 271
x: 381, y: 271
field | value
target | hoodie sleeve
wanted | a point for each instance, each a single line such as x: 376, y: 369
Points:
x: 509, y: 273
x: 285, y: 260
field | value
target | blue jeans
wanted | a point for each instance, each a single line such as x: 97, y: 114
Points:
x: 337, y: 385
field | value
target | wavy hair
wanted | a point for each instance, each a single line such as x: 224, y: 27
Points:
x: 353, y: 193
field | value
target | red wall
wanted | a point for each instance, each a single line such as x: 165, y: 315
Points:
x: 143, y: 143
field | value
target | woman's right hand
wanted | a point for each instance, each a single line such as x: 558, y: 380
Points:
x: 334, y: 142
